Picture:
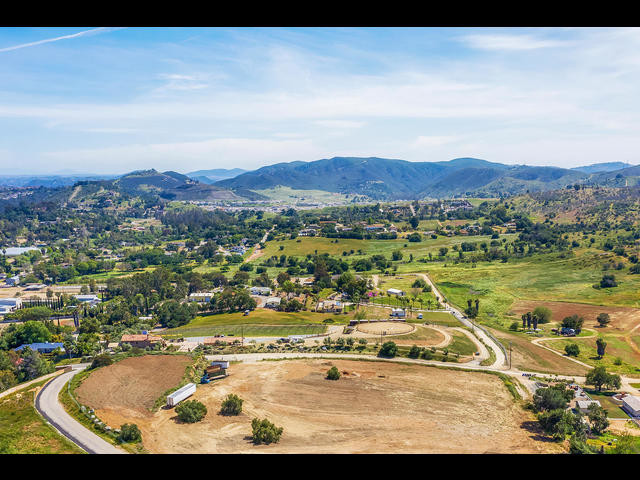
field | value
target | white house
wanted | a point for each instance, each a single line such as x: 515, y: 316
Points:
x: 10, y: 304
x: 396, y: 292
x: 631, y: 405
x: 272, y: 302
x: 13, y: 281
x: 201, y: 297
x: 583, y: 405
x: 260, y: 291
x: 90, y: 298
x: 397, y: 312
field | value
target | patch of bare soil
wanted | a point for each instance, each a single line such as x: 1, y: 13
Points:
x: 623, y: 319
x: 133, y: 384
x: 375, y: 407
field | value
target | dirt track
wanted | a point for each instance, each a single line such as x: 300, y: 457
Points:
x: 374, y: 408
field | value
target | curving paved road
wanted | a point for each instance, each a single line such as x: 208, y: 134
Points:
x: 501, y: 360
x: 50, y: 408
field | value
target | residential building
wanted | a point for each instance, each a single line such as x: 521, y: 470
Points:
x: 41, y: 347
x: 260, y: 291
x: 583, y: 405
x: 201, y: 297
x: 141, y: 341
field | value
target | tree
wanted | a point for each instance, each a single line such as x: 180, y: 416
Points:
x: 191, y: 411
x: 558, y: 423
x: 414, y: 222
x: 129, y: 432
x: 598, y: 418
x: 263, y: 431
x: 101, y: 361
x: 608, y: 281
x: 543, y: 314
x: 388, y: 349
x: 396, y: 255
x: 552, y: 398
x: 599, y: 377
x: 573, y: 350
x: 601, y: 345
x: 414, y: 352
x: 574, y: 321
x: 333, y: 373
x: 603, y: 319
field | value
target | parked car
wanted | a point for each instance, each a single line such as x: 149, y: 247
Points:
x: 419, y: 316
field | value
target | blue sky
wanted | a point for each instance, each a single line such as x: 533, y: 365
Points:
x: 112, y: 100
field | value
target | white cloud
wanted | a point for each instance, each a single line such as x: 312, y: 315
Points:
x: 510, y: 42
x: 340, y: 124
x: 183, y: 156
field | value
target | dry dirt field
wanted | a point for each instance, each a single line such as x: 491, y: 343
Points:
x: 375, y: 407
x: 391, y: 328
x: 132, y: 385
x: 623, y: 319
x: 528, y: 356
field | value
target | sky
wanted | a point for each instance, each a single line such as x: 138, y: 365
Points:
x: 109, y: 100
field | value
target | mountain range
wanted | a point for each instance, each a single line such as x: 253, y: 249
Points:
x: 376, y: 178
x: 392, y: 179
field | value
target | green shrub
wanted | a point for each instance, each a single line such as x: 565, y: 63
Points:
x: 265, y: 432
x: 191, y: 411
x: 102, y: 360
x: 388, y: 349
x: 232, y: 405
x: 333, y: 374
x: 414, y: 352
x: 129, y: 433
x: 572, y: 350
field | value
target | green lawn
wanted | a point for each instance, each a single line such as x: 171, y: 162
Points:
x: 613, y: 410
x: 247, y: 330
x: 23, y: 430
x: 462, y: 344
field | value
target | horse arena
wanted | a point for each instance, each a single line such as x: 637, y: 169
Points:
x: 387, y: 328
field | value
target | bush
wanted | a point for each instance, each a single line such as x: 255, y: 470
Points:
x: 129, y: 433
x: 232, y: 405
x: 388, y: 349
x: 414, y: 352
x: 102, y: 360
x: 514, y: 326
x: 265, y: 432
x: 333, y: 374
x: 543, y: 314
x: 191, y: 411
x: 573, y: 350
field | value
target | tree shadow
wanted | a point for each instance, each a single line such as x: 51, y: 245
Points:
x: 533, y: 427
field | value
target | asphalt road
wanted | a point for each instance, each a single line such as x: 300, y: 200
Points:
x: 50, y: 408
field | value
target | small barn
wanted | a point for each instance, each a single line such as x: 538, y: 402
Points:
x: 631, y: 405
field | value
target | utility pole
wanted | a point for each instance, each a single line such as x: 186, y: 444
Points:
x: 509, y: 355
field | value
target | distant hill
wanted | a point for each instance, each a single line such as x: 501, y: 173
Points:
x: 602, y: 167
x: 173, y: 186
x: 50, y: 181
x: 389, y: 179
x: 215, y: 175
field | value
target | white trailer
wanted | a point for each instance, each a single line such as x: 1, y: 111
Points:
x: 180, y: 394
x: 221, y: 363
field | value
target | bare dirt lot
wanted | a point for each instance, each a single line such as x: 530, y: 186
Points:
x: 391, y: 328
x: 133, y: 384
x: 622, y: 318
x: 529, y: 356
x: 375, y: 407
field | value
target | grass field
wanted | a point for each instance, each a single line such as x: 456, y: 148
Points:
x: 461, y: 344
x: 613, y: 410
x: 616, y: 348
x: 247, y: 330
x: 24, y: 431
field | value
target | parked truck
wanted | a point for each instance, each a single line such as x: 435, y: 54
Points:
x: 180, y: 394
